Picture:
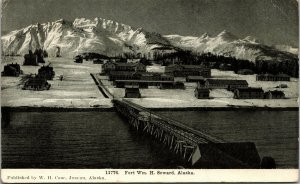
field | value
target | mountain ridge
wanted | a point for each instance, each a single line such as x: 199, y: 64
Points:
x: 113, y: 38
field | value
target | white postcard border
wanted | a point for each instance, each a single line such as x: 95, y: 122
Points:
x: 147, y: 175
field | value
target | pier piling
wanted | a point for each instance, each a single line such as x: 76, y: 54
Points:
x: 198, y: 149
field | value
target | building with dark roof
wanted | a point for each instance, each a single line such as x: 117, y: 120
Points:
x: 132, y: 75
x: 225, y: 83
x: 195, y: 79
x: 202, y: 93
x: 123, y: 75
x: 271, y: 77
x: 156, y: 76
x: 188, y: 70
x: 248, y: 93
x: 274, y: 95
x: 132, y: 92
x: 283, y: 77
x: 171, y: 85
x: 109, y: 66
x: 146, y: 84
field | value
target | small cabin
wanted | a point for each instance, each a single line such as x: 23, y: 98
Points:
x: 37, y: 84
x: 12, y: 70
x: 132, y: 92
x: 46, y: 72
x: 274, y: 95
x: 282, y: 86
x: 202, y: 93
x: 248, y: 93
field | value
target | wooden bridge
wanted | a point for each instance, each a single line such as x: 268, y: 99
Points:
x: 196, y: 148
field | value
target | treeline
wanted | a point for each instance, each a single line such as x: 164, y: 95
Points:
x: 290, y: 67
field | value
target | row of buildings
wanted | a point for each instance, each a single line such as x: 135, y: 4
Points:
x: 240, y: 89
x: 113, y: 66
x: 243, y: 93
x: 177, y: 70
x: 146, y: 84
x: 174, y: 70
x: 271, y: 77
x: 222, y: 83
x: 134, y: 75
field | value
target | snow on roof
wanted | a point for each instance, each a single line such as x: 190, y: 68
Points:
x: 227, y: 81
x: 250, y: 89
x: 195, y: 77
x: 121, y: 72
x: 276, y: 92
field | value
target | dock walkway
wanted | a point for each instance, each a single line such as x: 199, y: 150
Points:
x: 196, y: 148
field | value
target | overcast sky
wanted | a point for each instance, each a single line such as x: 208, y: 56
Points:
x: 270, y: 21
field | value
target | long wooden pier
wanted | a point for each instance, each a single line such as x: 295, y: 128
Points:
x: 196, y: 148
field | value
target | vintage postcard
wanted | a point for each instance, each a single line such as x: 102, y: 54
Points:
x: 149, y: 91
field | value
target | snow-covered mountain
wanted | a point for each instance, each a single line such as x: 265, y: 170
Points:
x: 227, y: 44
x: 112, y: 38
x: 83, y: 35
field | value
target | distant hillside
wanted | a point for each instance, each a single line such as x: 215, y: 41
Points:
x: 111, y: 38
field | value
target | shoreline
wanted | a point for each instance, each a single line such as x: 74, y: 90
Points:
x: 112, y: 109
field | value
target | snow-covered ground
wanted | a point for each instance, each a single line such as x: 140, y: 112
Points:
x: 156, y: 98
x: 76, y: 90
